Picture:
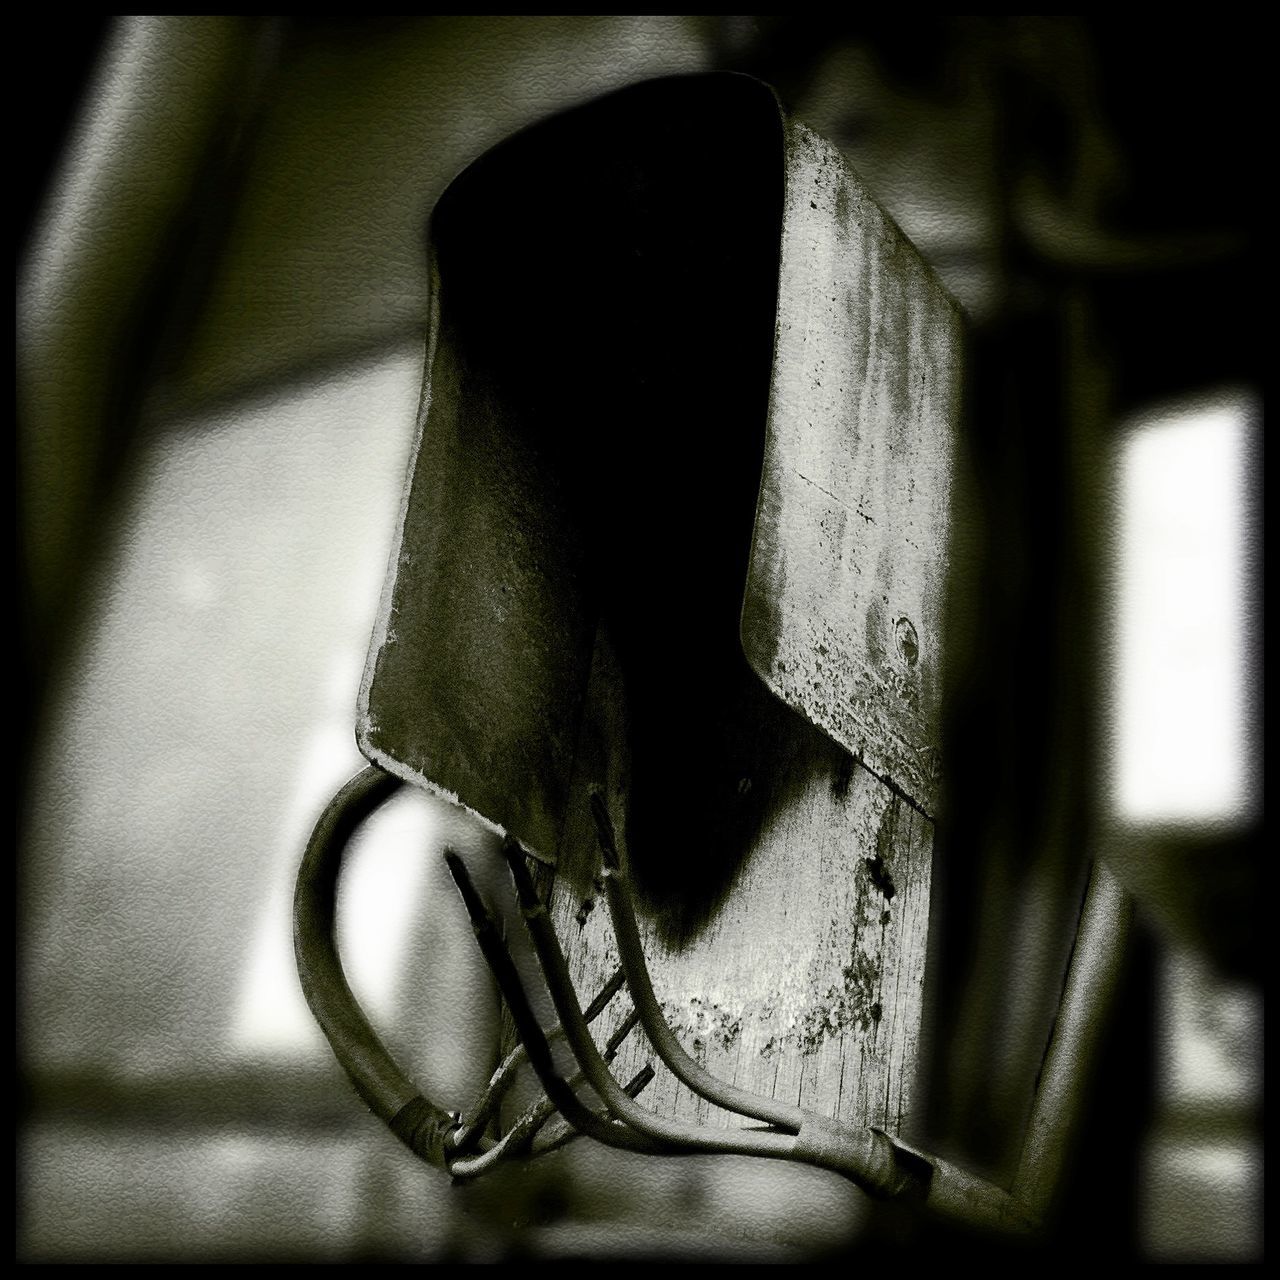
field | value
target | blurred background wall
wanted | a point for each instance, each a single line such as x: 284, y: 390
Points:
x: 221, y: 310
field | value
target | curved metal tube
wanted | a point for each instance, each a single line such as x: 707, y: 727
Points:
x: 867, y: 1156
x: 431, y: 1132
x: 559, y: 1131
x: 527, y: 1133
x: 422, y: 1126
x: 551, y: 957
x: 574, y: 1110
x: 631, y: 953
x: 474, y: 1121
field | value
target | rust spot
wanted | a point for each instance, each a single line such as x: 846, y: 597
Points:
x: 847, y: 1003
x: 880, y: 876
x: 729, y: 1035
x: 843, y: 1006
x: 587, y: 907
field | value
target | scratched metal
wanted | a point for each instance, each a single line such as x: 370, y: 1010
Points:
x: 737, y: 634
x: 481, y: 649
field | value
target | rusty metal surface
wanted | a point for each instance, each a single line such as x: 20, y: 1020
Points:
x: 590, y: 444
x: 482, y: 643
x: 675, y: 529
x: 843, y: 606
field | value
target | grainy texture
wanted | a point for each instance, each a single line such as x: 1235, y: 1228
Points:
x: 769, y: 765
x: 806, y: 984
x: 481, y: 650
x: 843, y: 607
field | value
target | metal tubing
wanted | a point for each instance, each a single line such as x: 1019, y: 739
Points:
x: 525, y: 1129
x: 883, y: 1165
x: 474, y: 1121
x: 652, y: 1019
x: 421, y: 1125
x: 556, y: 970
x: 559, y: 1131
x: 528, y: 1029
x: 1096, y: 961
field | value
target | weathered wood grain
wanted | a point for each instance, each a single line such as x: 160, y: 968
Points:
x: 805, y: 984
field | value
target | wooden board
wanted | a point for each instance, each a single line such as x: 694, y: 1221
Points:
x: 803, y: 981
